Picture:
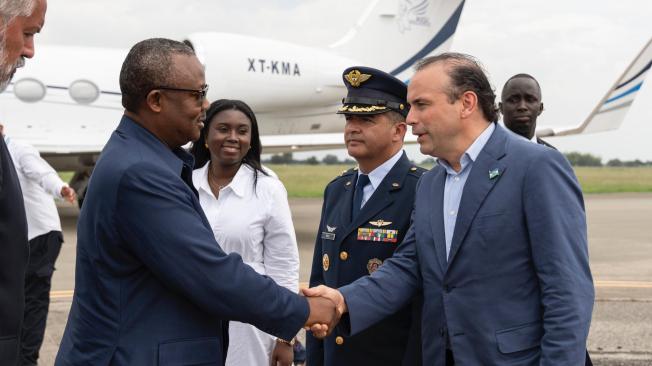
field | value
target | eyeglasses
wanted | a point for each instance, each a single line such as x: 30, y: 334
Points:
x: 200, y: 94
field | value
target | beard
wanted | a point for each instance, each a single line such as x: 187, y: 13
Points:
x: 7, y: 70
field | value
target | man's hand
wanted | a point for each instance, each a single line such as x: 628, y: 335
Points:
x: 68, y: 194
x: 321, y: 329
x: 282, y: 355
x: 323, y: 316
x: 334, y: 295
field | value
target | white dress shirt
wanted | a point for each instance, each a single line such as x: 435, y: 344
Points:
x: 39, y: 183
x: 377, y: 175
x: 258, y: 226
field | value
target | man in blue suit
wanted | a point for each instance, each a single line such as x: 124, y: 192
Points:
x: 498, y: 238
x: 152, y: 287
x: 362, y: 223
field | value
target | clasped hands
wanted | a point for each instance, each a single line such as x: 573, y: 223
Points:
x: 326, y: 308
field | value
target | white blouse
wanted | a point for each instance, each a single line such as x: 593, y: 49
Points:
x: 258, y: 226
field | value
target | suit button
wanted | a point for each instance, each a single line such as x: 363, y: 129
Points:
x: 339, y: 340
x: 344, y: 256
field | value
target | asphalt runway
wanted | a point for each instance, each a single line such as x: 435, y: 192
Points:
x: 620, y: 246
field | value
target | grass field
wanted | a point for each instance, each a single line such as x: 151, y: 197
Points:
x: 310, y: 180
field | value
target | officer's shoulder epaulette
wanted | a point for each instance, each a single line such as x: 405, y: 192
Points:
x: 416, y: 171
x: 345, y: 173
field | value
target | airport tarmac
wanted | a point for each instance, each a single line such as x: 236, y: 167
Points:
x: 620, y: 246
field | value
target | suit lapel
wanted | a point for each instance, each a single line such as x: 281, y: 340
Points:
x: 345, y: 218
x: 437, y: 218
x: 485, y: 173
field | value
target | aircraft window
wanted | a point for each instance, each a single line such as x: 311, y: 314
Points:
x: 84, y: 91
x: 29, y: 90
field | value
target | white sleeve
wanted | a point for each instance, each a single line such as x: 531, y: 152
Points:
x: 38, y: 170
x: 280, y: 252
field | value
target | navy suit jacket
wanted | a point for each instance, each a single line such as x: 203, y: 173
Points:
x: 152, y: 287
x: 14, y: 251
x: 395, y: 340
x: 517, y: 288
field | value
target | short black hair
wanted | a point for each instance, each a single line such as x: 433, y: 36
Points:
x: 147, y: 66
x: 252, y: 158
x: 466, y: 74
x: 523, y: 75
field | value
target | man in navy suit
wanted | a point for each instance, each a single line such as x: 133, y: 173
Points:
x: 152, y: 287
x: 498, y: 238
x: 362, y: 223
x: 20, y: 20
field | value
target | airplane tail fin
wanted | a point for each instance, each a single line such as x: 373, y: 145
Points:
x: 613, y: 107
x: 392, y: 35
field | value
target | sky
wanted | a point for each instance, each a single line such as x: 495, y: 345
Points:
x: 576, y: 49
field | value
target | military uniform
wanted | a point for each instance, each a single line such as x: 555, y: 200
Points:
x: 348, y: 248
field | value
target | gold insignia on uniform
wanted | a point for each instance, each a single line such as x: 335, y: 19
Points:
x: 380, y: 223
x: 395, y: 185
x: 401, y: 106
x: 348, y: 183
x: 331, y: 228
x: 413, y: 169
x: 373, y: 265
x: 357, y: 109
x: 325, y: 262
x: 355, y: 78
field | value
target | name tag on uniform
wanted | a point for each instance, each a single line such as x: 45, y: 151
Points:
x: 327, y: 236
x: 381, y: 235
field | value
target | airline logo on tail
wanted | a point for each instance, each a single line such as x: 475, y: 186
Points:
x: 412, y: 12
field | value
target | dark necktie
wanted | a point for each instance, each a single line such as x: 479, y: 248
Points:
x: 363, y: 180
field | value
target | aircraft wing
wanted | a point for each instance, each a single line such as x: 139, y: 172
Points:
x: 613, y: 107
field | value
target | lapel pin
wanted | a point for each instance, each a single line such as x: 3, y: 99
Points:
x: 494, y: 173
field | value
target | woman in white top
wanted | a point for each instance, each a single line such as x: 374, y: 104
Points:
x: 248, y: 210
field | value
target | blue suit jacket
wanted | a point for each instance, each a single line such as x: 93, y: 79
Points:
x: 395, y: 340
x: 152, y: 287
x: 517, y: 287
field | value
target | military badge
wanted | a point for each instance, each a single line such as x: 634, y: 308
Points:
x: 380, y: 223
x: 494, y: 173
x: 329, y: 233
x: 325, y: 262
x: 373, y: 265
x: 381, y: 235
x: 355, y: 78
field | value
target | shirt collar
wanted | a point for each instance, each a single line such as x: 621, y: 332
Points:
x: 377, y: 175
x: 242, y: 180
x: 472, y: 152
x: 534, y: 139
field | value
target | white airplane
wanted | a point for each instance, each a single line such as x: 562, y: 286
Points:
x: 68, y: 102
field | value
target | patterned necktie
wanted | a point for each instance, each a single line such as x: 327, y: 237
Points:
x: 363, y: 180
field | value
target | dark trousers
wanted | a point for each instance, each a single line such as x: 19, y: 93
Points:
x: 43, y: 252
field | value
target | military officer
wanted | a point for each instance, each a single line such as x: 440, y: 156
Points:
x: 365, y: 214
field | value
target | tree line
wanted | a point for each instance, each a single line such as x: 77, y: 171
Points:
x: 575, y: 158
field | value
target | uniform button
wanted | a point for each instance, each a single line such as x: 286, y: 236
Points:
x: 339, y: 341
x: 344, y: 256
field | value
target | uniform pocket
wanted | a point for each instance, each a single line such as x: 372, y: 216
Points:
x: 519, y: 338
x: 202, y: 351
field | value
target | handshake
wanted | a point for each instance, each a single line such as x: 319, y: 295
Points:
x: 326, y: 308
